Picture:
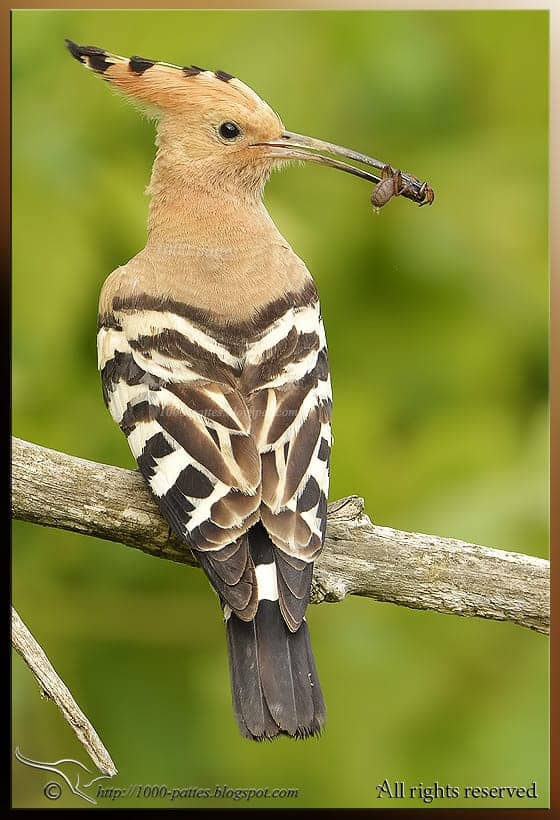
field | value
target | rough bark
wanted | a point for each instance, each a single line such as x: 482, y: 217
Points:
x: 405, y: 568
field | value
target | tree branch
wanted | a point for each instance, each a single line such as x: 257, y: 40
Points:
x: 418, y: 571
x: 55, y: 689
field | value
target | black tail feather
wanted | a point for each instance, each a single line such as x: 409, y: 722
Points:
x: 275, y: 666
x: 251, y: 710
x: 275, y: 687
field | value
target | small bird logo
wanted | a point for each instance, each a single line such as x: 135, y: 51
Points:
x: 213, y: 360
x: 69, y: 774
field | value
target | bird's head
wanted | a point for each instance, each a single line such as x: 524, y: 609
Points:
x: 215, y: 129
x: 209, y: 123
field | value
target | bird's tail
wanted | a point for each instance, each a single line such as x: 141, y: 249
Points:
x: 275, y: 688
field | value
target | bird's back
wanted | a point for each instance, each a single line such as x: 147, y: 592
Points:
x: 228, y: 415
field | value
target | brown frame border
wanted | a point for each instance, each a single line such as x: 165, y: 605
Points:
x: 554, y: 219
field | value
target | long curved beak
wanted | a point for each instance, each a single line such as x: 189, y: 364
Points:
x: 309, y: 149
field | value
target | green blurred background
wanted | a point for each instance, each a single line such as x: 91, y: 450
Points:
x: 437, y: 327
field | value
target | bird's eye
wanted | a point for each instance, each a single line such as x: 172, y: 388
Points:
x: 229, y: 130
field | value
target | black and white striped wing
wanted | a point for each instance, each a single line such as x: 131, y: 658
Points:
x: 287, y: 378
x: 171, y: 390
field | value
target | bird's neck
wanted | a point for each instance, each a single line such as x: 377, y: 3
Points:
x: 190, y: 212
x: 212, y: 247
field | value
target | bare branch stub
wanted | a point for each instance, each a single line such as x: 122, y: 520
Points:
x: 56, y: 690
x: 409, y: 569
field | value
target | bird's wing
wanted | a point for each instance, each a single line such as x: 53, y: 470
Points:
x: 171, y: 388
x: 286, y: 379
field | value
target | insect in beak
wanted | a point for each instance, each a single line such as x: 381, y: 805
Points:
x: 309, y: 149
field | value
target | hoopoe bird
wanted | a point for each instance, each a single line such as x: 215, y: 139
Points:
x: 214, y: 364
